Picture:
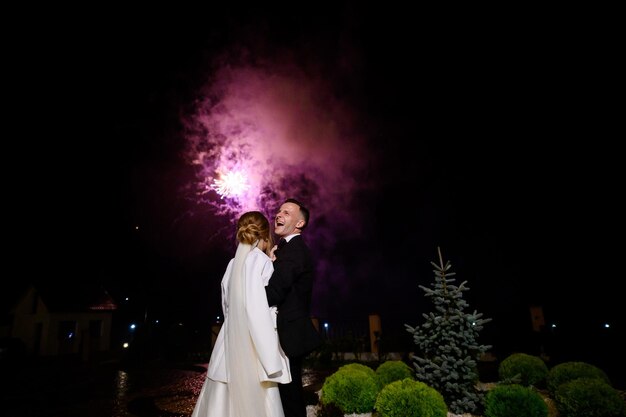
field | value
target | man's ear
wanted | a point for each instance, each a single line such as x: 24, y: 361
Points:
x: 300, y: 224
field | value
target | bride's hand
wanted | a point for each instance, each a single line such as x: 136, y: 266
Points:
x: 272, y: 255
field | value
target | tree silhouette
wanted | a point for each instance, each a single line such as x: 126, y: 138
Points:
x: 447, y: 348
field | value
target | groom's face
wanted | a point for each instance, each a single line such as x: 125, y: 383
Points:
x: 287, y: 220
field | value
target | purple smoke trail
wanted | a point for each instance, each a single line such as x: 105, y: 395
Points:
x: 288, y: 137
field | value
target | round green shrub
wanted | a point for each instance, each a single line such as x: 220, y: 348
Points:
x: 568, y: 371
x: 359, y: 367
x: 514, y: 401
x: 407, y: 398
x: 532, y: 369
x: 588, y: 397
x: 391, y: 371
x: 350, y: 388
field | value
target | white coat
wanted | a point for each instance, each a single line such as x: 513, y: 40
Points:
x: 273, y: 364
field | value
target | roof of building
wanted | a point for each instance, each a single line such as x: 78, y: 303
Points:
x: 71, y: 297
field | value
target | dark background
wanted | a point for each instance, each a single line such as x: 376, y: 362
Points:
x: 493, y: 135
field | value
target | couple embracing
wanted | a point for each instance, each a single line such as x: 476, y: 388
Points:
x: 255, y: 368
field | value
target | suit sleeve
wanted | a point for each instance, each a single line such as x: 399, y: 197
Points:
x: 285, y: 272
x: 262, y: 331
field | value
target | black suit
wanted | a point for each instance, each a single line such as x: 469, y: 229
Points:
x: 290, y: 289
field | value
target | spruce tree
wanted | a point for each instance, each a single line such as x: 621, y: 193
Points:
x: 447, y: 348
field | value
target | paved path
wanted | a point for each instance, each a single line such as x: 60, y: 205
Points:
x: 105, y: 390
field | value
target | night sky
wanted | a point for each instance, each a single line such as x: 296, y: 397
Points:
x: 494, y: 139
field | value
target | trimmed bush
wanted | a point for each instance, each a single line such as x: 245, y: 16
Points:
x: 351, y: 388
x: 391, y: 371
x: 408, y: 397
x: 514, y: 401
x: 532, y: 370
x: 568, y: 371
x: 588, y: 397
x: 359, y: 367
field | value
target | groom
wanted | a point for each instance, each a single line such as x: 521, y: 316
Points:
x: 290, y: 289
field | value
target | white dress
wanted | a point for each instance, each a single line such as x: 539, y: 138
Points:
x: 247, y: 361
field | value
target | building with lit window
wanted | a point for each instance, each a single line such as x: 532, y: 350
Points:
x: 55, y: 321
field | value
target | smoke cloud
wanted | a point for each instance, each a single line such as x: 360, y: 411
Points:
x: 287, y: 135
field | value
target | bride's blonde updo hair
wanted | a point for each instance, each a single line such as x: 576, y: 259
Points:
x: 253, y: 226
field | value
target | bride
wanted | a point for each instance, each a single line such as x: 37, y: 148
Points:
x: 247, y: 361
